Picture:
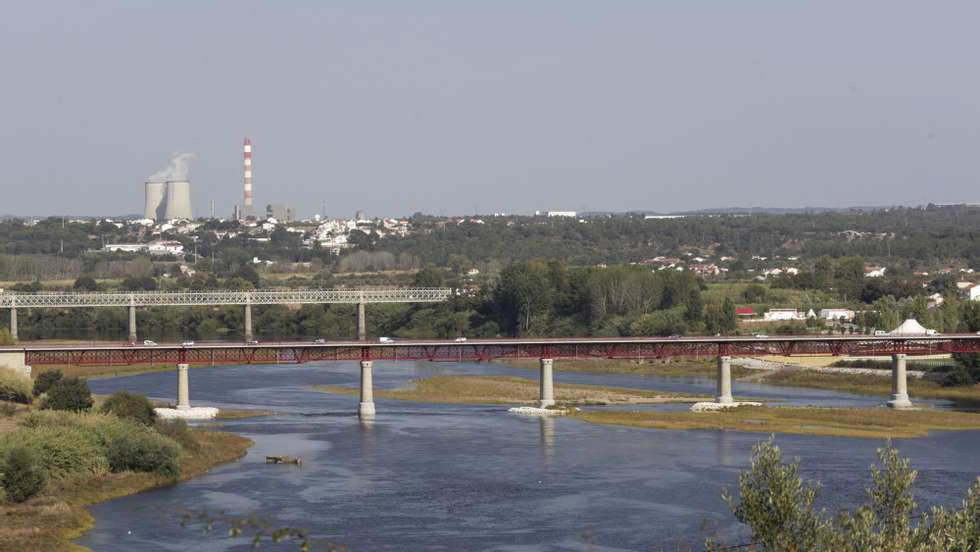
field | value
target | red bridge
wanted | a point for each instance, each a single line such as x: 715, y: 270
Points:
x: 545, y: 350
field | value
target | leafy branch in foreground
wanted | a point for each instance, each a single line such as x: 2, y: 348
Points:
x: 778, y: 507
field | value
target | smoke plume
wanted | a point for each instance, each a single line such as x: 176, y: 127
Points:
x: 177, y: 170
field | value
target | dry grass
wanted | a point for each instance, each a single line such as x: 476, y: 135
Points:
x: 843, y: 422
x: 511, y: 390
x: 671, y: 367
x: 53, y: 519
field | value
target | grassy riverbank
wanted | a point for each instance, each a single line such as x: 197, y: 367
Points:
x: 671, y: 367
x: 844, y: 422
x: 51, y: 520
x: 511, y: 390
x: 966, y: 397
x: 91, y: 372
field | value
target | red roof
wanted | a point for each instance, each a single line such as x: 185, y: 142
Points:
x: 744, y: 311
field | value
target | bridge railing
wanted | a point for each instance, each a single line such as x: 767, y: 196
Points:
x: 224, y: 297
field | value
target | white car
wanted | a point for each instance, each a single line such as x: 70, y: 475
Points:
x: 319, y: 341
x: 460, y: 340
x: 187, y: 344
x: 761, y: 336
x: 149, y: 343
x: 385, y: 340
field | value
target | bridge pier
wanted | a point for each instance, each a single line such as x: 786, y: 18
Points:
x: 248, y: 320
x: 132, y: 323
x: 900, y: 395
x: 724, y: 395
x: 13, y: 323
x: 366, y: 408
x: 183, y: 388
x: 547, y: 383
x: 361, y: 322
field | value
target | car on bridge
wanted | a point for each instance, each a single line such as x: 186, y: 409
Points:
x: 319, y: 341
x: 149, y: 343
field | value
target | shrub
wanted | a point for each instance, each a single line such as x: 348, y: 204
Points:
x: 23, y: 476
x: 178, y: 431
x: 958, y: 376
x: 45, y: 380
x: 68, y: 394
x: 129, y: 406
x: 5, y: 338
x: 143, y: 450
x: 7, y: 409
x: 14, y: 387
x: 62, y: 451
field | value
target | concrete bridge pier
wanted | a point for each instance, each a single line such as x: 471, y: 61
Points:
x: 13, y: 323
x: 132, y: 323
x: 361, y: 322
x: 366, y: 408
x: 248, y: 319
x: 547, y: 391
x: 724, y: 395
x: 183, y: 388
x: 900, y: 394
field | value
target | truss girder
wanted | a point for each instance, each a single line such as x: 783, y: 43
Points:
x: 224, y: 297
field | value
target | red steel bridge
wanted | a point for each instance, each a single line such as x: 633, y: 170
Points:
x: 102, y: 354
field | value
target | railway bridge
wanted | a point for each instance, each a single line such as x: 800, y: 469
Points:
x: 245, y: 298
x: 546, y: 351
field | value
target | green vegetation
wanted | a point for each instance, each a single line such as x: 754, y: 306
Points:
x: 44, y: 381
x: 844, y: 422
x: 511, y: 390
x: 128, y: 406
x: 68, y: 394
x: 14, y: 387
x: 779, y: 508
x: 6, y: 339
x: 671, y: 367
x: 22, y: 474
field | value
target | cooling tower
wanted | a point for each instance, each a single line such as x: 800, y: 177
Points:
x: 178, y: 200
x: 155, y: 199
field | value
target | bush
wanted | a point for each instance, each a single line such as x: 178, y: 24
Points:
x: 7, y: 409
x: 958, y: 376
x: 45, y: 380
x: 5, y: 338
x: 14, y: 387
x: 68, y: 394
x: 143, y: 450
x: 178, y: 431
x: 23, y: 476
x: 62, y: 451
x: 129, y: 406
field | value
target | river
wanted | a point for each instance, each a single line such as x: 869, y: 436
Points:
x: 466, y: 477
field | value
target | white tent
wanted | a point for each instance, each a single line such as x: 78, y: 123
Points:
x: 911, y: 327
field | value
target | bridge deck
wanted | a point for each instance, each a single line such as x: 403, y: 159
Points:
x: 489, y: 349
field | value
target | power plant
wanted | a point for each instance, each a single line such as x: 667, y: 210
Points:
x: 168, y: 193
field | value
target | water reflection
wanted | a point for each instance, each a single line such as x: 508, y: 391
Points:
x: 547, y: 425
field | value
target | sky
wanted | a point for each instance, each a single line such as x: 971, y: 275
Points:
x: 449, y: 107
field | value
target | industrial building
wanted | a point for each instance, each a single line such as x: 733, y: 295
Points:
x: 279, y: 211
x: 168, y: 200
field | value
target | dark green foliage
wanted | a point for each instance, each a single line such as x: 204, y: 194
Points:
x: 143, y: 451
x: 790, y: 329
x: 86, y: 283
x: 14, y: 386
x: 23, y: 476
x: 45, y: 380
x: 129, y: 406
x: 68, y: 394
x: 178, y: 431
x: 959, y: 376
x: 429, y: 276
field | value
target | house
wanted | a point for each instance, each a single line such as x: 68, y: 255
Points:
x: 975, y: 293
x: 963, y: 286
x: 875, y: 272
x: 773, y: 315
x: 745, y: 312
x: 935, y: 300
x: 837, y: 314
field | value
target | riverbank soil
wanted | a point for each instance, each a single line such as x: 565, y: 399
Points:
x: 512, y: 390
x: 843, y: 422
x: 51, y: 520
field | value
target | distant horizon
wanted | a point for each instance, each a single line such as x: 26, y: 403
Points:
x: 693, y: 212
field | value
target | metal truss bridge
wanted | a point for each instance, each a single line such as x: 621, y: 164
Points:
x: 223, y: 297
x: 103, y: 354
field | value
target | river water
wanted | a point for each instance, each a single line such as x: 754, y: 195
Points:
x: 461, y: 477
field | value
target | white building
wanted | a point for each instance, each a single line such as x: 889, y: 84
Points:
x: 837, y: 314
x: 975, y: 293
x: 773, y: 315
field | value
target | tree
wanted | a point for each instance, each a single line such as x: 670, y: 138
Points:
x: 428, y: 277
x: 45, y: 380
x: 68, y: 394
x: 131, y: 407
x: 86, y: 283
x: 22, y: 475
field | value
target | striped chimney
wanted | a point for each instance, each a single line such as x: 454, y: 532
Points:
x: 247, y: 207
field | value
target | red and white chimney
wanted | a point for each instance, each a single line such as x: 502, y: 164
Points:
x: 247, y: 206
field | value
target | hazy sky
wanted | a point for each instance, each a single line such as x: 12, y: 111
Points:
x: 450, y: 107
